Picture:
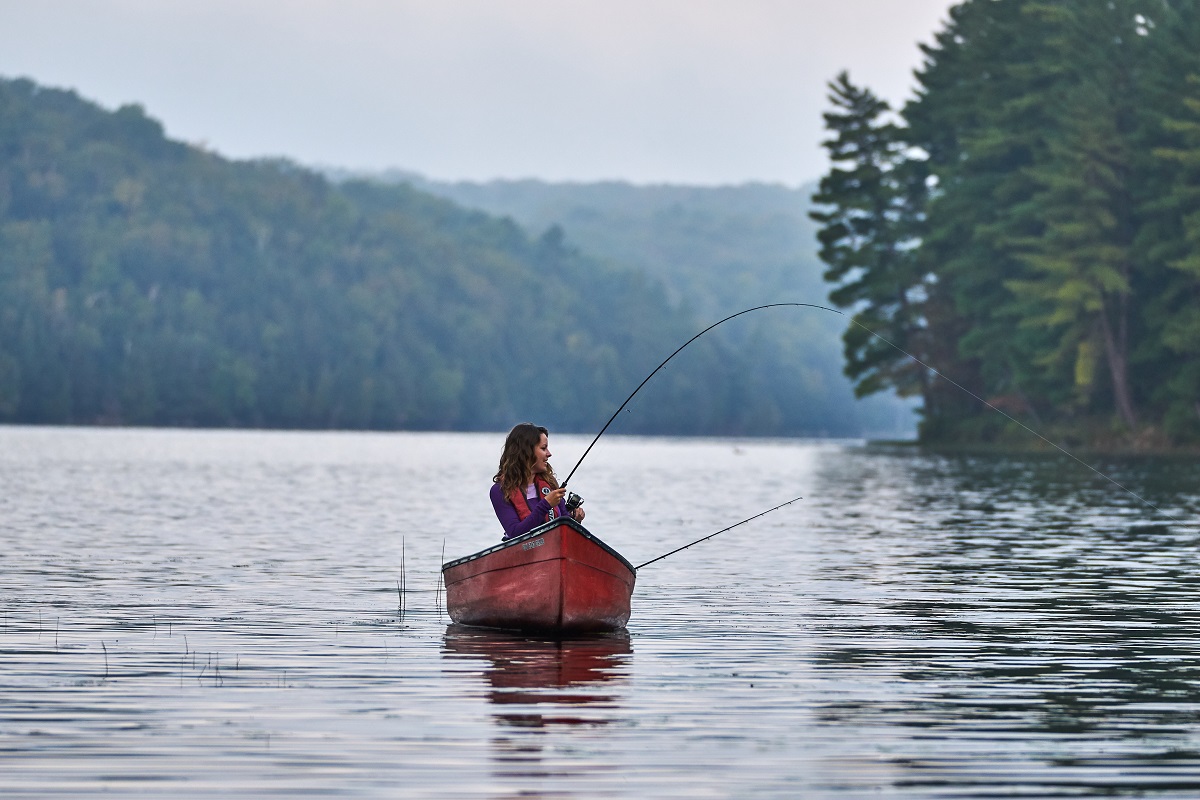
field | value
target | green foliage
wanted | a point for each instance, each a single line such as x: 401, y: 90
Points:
x: 1061, y: 141
x: 876, y: 198
x: 1170, y: 235
x: 1081, y: 215
x: 979, y: 124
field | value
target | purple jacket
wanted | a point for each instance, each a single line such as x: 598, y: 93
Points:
x: 507, y: 514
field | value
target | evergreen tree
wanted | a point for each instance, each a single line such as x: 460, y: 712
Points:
x: 1054, y: 249
x: 976, y: 119
x: 1079, y: 224
x: 1169, y: 238
x: 875, y: 197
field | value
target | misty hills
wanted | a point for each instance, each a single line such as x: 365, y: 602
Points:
x: 717, y: 251
x: 147, y: 282
x: 711, y: 247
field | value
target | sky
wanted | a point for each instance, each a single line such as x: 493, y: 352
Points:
x: 696, y: 92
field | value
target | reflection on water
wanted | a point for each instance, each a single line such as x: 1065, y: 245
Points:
x: 542, y: 684
x: 535, y: 671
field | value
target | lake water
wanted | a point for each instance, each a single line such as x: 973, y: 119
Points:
x: 216, y: 614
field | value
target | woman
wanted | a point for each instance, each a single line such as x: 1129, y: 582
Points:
x: 525, y: 492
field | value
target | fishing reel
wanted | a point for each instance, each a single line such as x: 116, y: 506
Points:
x: 574, y: 501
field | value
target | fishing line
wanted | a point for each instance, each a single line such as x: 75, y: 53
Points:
x: 711, y: 535
x: 1025, y: 427
x: 664, y: 363
x: 895, y: 346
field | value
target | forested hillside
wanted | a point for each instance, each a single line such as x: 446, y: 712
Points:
x: 717, y: 250
x: 712, y: 247
x: 1029, y: 224
x: 144, y: 281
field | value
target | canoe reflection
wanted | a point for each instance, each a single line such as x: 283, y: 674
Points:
x: 529, y: 671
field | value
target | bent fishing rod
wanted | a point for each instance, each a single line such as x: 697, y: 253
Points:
x: 668, y: 358
x: 899, y: 349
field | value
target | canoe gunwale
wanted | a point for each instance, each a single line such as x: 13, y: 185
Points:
x: 535, y: 533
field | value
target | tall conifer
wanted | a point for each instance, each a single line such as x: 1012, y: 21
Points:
x: 979, y: 119
x: 1081, y: 219
x: 873, y: 199
x: 1169, y: 239
x: 1056, y: 248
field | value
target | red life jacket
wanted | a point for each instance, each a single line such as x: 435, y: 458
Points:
x: 517, y: 498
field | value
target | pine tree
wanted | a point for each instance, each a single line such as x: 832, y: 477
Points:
x: 1080, y: 221
x: 1056, y: 246
x: 1169, y: 238
x: 979, y: 117
x: 875, y: 195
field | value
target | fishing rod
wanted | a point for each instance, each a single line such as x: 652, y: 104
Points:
x: 718, y: 533
x: 668, y: 358
x: 898, y: 348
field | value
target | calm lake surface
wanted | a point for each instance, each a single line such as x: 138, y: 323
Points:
x: 216, y: 614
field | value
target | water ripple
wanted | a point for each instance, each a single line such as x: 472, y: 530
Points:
x: 206, y: 614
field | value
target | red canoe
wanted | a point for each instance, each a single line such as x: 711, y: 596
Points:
x: 557, y: 578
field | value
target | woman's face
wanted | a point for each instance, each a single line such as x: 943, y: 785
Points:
x: 541, y: 455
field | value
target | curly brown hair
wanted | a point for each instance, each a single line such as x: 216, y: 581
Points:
x: 517, y: 459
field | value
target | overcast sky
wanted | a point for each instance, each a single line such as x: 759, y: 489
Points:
x: 677, y: 91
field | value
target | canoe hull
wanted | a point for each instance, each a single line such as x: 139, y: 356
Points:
x: 558, y: 578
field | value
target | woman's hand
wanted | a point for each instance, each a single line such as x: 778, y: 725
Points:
x: 555, y: 496
x: 577, y: 514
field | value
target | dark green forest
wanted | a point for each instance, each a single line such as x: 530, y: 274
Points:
x: 1028, y: 225
x: 148, y: 282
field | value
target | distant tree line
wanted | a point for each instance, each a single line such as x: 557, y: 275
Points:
x: 147, y: 282
x: 1029, y: 225
x: 717, y: 250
